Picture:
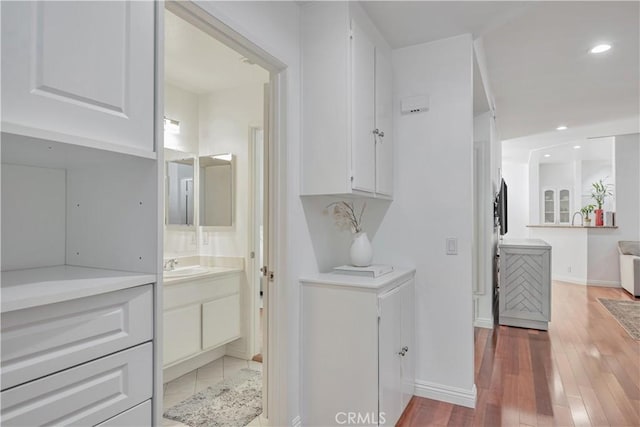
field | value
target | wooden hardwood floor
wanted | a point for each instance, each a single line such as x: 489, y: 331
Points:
x: 585, y: 371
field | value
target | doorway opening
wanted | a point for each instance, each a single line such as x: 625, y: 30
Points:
x: 217, y: 113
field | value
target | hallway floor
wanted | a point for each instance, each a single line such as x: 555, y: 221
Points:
x: 199, y: 379
x: 585, y: 371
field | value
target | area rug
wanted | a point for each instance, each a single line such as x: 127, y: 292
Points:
x: 233, y: 402
x: 627, y: 313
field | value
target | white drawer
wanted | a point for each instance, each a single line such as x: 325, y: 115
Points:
x: 84, y: 395
x: 200, y: 290
x: 43, y: 340
x: 134, y: 417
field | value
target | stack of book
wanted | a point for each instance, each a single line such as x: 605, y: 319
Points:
x: 373, y: 271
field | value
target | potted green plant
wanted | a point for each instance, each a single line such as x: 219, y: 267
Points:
x: 586, y: 210
x: 599, y: 193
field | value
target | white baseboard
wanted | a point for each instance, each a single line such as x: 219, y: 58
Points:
x: 585, y: 282
x: 443, y: 393
x: 569, y: 279
x: 483, y: 322
x: 178, y: 369
x: 604, y: 283
x: 296, y: 422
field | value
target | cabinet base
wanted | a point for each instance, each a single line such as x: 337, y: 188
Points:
x: 524, y: 323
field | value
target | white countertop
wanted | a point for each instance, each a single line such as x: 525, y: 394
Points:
x: 47, y: 285
x: 335, y: 279
x: 209, y: 271
x: 526, y: 243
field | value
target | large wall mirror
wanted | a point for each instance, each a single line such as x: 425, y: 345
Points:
x: 216, y: 190
x: 180, y: 204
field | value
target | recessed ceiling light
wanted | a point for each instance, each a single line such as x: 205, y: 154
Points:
x: 600, y: 48
x: 576, y: 146
x: 562, y: 127
x: 547, y: 155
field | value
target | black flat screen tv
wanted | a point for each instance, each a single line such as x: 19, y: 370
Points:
x: 501, y: 208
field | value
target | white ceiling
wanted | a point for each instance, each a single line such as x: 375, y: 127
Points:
x: 198, y: 63
x: 539, y: 70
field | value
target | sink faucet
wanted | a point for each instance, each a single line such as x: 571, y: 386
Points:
x: 581, y: 218
x: 170, y: 264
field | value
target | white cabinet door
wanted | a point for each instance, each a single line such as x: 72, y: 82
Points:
x: 407, y: 364
x: 181, y: 333
x: 80, y: 72
x: 389, y: 347
x: 384, y: 123
x: 220, y: 321
x: 362, y: 110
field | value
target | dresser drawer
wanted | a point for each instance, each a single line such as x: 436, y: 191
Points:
x: 43, y: 340
x: 84, y: 395
x: 135, y: 417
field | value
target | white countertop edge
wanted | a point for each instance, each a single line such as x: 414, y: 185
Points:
x: 343, y: 280
x: 76, y: 283
x: 221, y: 271
x: 523, y: 243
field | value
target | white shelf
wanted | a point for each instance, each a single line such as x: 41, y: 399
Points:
x: 47, y: 285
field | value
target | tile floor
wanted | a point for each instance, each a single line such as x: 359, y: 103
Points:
x: 197, y: 380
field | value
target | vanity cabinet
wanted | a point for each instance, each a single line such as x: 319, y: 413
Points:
x: 79, y: 72
x: 200, y: 314
x: 358, y: 347
x: 347, y: 104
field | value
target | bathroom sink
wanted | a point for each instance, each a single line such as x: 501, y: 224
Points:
x: 192, y: 270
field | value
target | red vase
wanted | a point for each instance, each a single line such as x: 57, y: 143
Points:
x: 599, y: 217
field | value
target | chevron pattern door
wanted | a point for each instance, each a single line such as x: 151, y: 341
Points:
x: 525, y: 286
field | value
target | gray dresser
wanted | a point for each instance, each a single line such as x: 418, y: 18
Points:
x: 525, y: 283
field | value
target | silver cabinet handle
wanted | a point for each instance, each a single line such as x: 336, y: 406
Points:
x: 378, y: 132
x: 404, y: 351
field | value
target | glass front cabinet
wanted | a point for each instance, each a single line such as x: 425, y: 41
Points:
x: 556, y: 206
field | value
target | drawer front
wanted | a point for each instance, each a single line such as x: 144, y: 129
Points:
x: 84, y: 395
x: 182, y: 294
x: 220, y: 321
x: 43, y: 340
x: 138, y: 417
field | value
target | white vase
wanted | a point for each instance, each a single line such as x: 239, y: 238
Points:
x: 361, y: 251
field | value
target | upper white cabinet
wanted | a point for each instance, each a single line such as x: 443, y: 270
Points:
x: 556, y: 206
x: 80, y: 72
x: 347, y: 103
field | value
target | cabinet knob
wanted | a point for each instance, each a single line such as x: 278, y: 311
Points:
x: 404, y: 351
x: 378, y: 132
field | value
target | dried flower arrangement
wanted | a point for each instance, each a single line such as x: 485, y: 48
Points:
x: 345, y: 216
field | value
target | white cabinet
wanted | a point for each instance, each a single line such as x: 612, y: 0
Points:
x: 556, y: 205
x: 200, y: 314
x: 347, y: 103
x: 525, y: 283
x: 80, y: 72
x: 358, y: 347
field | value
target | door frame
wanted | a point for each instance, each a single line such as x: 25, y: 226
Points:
x: 275, y: 152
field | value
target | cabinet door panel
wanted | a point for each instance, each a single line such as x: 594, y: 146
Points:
x: 389, y: 346
x: 220, y: 321
x: 407, y: 340
x: 80, y: 69
x: 181, y: 333
x: 362, y: 110
x: 384, y: 122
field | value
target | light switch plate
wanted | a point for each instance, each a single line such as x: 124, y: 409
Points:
x: 452, y: 246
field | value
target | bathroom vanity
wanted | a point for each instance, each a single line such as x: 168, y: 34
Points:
x: 201, y: 312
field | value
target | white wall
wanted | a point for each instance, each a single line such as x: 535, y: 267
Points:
x: 516, y: 175
x: 274, y: 26
x: 433, y: 201
x: 593, y: 171
x: 225, y: 119
x: 181, y: 105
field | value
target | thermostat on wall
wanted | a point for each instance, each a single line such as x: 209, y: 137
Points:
x: 414, y: 104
